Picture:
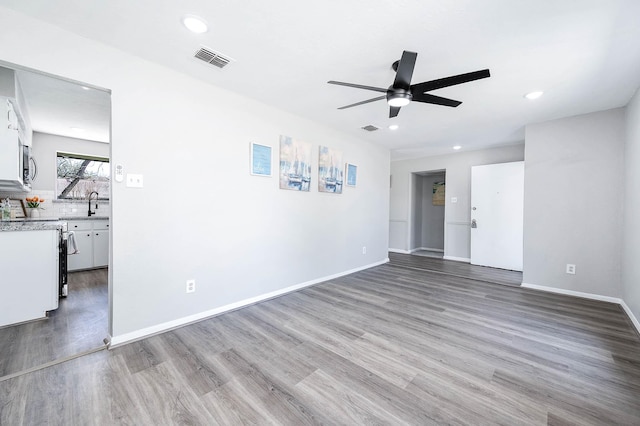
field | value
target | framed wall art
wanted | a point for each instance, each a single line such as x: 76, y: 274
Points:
x: 352, y: 174
x: 295, y: 164
x: 260, y: 160
x: 330, y: 170
x: 437, y: 198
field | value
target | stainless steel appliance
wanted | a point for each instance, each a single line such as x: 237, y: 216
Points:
x: 62, y: 260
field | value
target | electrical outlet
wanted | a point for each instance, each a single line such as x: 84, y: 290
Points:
x: 364, y: 250
x: 571, y: 269
x: 191, y: 286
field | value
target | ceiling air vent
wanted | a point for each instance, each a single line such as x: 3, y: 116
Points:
x: 211, y: 57
x: 370, y: 128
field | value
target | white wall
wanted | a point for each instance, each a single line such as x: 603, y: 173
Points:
x: 631, y: 226
x: 457, y: 215
x: 200, y: 214
x: 573, y: 203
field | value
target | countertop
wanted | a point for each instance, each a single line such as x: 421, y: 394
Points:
x: 41, y: 224
x: 31, y: 224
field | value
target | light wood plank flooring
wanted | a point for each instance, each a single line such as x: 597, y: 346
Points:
x: 460, y: 269
x: 389, y: 345
x: 79, y: 324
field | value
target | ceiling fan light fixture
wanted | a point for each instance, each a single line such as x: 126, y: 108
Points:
x: 195, y: 24
x: 398, y: 102
x: 534, y: 95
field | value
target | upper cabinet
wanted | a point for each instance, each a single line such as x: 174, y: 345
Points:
x: 15, y: 135
x: 11, y: 91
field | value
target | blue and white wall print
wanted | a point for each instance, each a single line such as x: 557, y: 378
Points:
x: 352, y: 174
x: 330, y: 170
x: 260, y: 160
x: 295, y: 164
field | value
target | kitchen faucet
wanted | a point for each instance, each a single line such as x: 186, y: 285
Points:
x: 90, y: 212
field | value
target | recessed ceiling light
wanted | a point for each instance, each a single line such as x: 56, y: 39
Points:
x: 533, y: 95
x: 457, y: 147
x: 393, y: 127
x: 195, y: 24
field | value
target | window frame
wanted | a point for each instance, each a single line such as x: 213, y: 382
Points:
x: 68, y: 189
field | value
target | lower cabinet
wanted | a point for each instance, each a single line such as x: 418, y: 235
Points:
x: 101, y: 247
x: 29, y: 276
x: 92, y: 239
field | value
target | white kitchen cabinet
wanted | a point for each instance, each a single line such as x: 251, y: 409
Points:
x: 29, y: 271
x: 100, y: 247
x: 92, y: 239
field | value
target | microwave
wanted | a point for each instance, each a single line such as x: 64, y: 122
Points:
x: 17, y: 167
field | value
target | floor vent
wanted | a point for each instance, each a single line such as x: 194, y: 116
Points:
x: 211, y: 57
x: 370, y: 128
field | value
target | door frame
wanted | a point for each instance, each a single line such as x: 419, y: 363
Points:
x: 413, y: 205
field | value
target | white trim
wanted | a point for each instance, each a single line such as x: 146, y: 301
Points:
x: 392, y: 250
x: 591, y: 296
x: 572, y: 293
x: 122, y: 339
x: 457, y: 259
x: 632, y: 317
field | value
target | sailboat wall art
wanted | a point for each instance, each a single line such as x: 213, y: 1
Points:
x: 330, y: 170
x: 295, y: 164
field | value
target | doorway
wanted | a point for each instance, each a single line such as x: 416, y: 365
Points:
x: 428, y: 213
x: 81, y: 322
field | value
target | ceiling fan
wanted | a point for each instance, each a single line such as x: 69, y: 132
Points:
x: 401, y: 92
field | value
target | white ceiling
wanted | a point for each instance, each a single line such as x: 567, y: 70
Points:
x: 66, y: 108
x: 585, y: 55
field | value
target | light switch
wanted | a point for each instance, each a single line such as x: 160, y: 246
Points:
x: 454, y: 199
x: 134, y: 181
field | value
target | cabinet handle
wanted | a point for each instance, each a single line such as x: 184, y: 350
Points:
x: 88, y: 235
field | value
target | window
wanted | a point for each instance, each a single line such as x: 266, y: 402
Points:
x: 80, y: 175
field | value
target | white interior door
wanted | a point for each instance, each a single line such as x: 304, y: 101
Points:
x: 497, y: 210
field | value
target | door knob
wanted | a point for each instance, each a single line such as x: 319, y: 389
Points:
x: 474, y: 224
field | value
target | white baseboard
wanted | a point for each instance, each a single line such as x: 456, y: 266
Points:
x: 399, y: 251
x: 122, y: 339
x: 591, y: 296
x: 572, y: 293
x: 457, y: 259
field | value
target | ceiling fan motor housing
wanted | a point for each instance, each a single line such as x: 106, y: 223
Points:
x: 397, y: 96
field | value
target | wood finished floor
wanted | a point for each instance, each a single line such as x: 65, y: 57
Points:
x: 79, y: 324
x: 388, y: 345
x: 460, y: 269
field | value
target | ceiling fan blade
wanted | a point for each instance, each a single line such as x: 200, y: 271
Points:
x: 427, y: 86
x: 432, y: 99
x: 358, y: 86
x: 364, y: 102
x: 405, y: 70
x: 393, y: 111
